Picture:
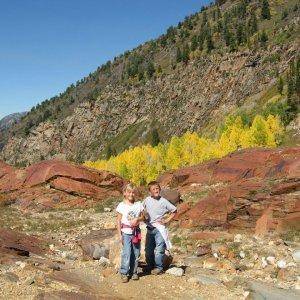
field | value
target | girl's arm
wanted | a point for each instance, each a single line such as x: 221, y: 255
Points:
x: 137, y: 220
x: 119, y: 217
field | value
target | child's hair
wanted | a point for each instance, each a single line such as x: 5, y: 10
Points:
x: 152, y: 183
x: 128, y: 186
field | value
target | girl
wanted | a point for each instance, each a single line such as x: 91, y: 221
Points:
x: 130, y: 213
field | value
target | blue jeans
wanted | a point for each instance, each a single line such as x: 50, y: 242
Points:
x: 155, y: 249
x: 130, y: 255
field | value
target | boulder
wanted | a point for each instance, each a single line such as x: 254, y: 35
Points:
x: 16, y: 244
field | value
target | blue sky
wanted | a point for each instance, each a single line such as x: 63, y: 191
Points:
x: 45, y: 45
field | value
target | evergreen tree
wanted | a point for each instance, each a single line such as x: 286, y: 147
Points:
x: 265, y: 10
x: 263, y: 38
x: 280, y: 85
x: 194, y: 43
x: 240, y: 34
x: 209, y: 42
x: 150, y: 69
x: 155, y: 140
x: 185, y: 54
x: 204, y: 19
x: 178, y: 55
x: 252, y: 24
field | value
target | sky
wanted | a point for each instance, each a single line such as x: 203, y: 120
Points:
x: 45, y: 45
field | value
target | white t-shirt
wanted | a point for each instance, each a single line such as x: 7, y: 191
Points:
x: 129, y: 212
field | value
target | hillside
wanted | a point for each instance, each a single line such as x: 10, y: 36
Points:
x: 226, y: 58
x: 6, y: 123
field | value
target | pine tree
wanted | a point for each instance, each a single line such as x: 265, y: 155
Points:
x: 155, y: 140
x: 252, y: 24
x: 280, y: 85
x: 185, y: 54
x: 178, y: 55
x: 240, y: 34
x: 150, y: 69
x: 194, y: 43
x: 209, y: 42
x: 263, y: 38
x: 265, y: 10
x: 204, y: 19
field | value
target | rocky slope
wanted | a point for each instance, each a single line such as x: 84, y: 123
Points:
x: 110, y: 108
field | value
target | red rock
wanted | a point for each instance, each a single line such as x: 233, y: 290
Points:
x: 55, y: 183
x: 203, y: 250
x: 256, y: 194
x: 19, y: 244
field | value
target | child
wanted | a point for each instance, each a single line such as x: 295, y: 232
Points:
x: 130, y: 213
x: 157, y: 240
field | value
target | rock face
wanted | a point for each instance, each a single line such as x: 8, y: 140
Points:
x: 55, y: 183
x: 255, y: 190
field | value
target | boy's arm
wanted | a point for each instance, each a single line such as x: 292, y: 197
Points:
x: 119, y: 217
x: 172, y: 209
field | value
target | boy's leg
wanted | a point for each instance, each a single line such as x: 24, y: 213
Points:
x: 149, y: 249
x: 159, y: 250
x: 126, y: 253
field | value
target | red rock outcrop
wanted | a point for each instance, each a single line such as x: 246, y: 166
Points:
x: 258, y: 191
x: 56, y: 183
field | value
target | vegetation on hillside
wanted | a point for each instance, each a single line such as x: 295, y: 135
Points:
x: 144, y: 163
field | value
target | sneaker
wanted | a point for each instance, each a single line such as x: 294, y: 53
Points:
x: 156, y: 271
x: 124, y: 278
x: 135, y: 277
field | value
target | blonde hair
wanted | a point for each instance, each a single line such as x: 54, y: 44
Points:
x: 128, y: 186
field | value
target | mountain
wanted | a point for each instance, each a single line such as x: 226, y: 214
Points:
x: 6, y: 123
x: 228, y: 57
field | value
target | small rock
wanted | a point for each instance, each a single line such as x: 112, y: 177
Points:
x: 263, y: 262
x: 51, y: 247
x: 204, y: 279
x: 175, y: 271
x: 210, y: 263
x: 29, y: 280
x: 104, y: 262
x: 296, y: 256
x: 107, y: 209
x: 271, y: 260
x: 281, y: 264
x: 242, y: 254
x: 202, y: 250
x: 237, y: 238
x: 12, y: 277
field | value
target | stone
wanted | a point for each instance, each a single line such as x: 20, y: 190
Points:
x: 242, y: 254
x: 210, y: 263
x: 11, y: 277
x: 281, y: 264
x: 203, y: 250
x: 171, y: 195
x: 260, y: 290
x: 205, y: 279
x: 175, y: 271
x: 296, y: 256
x: 20, y: 244
x: 271, y: 260
x: 104, y: 262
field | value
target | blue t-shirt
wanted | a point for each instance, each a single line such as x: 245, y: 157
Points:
x: 156, y: 209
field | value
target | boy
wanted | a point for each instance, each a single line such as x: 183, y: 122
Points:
x: 156, y: 207
x: 130, y: 213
